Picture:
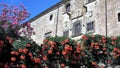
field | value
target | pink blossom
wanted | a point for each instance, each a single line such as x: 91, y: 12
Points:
x: 28, y: 25
x: 15, y: 23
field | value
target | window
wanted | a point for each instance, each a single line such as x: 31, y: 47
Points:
x: 76, y: 28
x: 118, y: 17
x: 90, y: 26
x: 66, y: 33
x: 89, y: 1
x: 48, y: 34
x: 51, y: 16
x: 67, y: 7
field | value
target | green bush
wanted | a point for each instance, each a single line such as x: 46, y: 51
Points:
x: 90, y: 51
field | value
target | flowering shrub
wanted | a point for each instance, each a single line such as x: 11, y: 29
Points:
x: 29, y: 57
x: 12, y: 19
x: 101, y: 49
x: 90, y: 51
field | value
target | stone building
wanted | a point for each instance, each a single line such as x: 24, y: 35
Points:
x: 72, y: 18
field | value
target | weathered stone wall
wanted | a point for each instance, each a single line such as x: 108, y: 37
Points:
x: 64, y: 21
x: 43, y: 25
x: 112, y: 17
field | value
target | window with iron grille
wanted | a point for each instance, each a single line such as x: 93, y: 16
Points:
x: 90, y: 26
x: 67, y: 7
x: 77, y: 28
x: 89, y: 1
x: 66, y: 33
x: 118, y: 17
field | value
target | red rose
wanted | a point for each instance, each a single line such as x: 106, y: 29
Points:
x: 50, y: 51
x: 113, y: 43
x: 23, y: 66
x: 13, y: 52
x: 22, y: 57
x: 64, y: 53
x: 66, y: 41
x: 30, y: 54
x: 25, y: 50
x: 16, y: 53
x: 94, y: 63
x: 93, y: 36
x: 104, y: 49
x: 114, y: 38
x: 84, y: 37
x: 45, y: 58
x: 37, y: 60
x: 13, y: 59
x: 28, y: 45
x: 62, y: 65
x: 20, y: 50
x: 115, y: 49
x: 57, y: 53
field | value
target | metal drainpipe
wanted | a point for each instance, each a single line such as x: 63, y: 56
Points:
x: 106, y: 24
x: 57, y: 21
x: 106, y: 17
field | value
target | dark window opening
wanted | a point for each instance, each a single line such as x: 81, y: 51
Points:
x: 51, y: 16
x: 85, y: 8
x: 66, y: 33
x: 67, y: 7
x: 119, y: 17
x: 76, y: 29
x: 90, y: 26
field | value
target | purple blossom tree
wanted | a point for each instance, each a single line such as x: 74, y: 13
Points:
x: 12, y: 19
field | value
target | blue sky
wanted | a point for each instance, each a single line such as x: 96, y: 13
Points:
x: 34, y: 7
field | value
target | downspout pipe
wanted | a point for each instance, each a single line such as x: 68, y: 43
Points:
x: 57, y: 22
x: 106, y: 28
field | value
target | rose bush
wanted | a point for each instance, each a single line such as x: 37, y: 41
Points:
x: 90, y: 51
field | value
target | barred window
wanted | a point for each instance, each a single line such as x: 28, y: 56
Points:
x: 90, y: 26
x: 66, y: 33
x: 77, y: 28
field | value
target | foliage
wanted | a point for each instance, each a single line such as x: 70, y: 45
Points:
x: 12, y: 19
x: 90, y: 51
x: 11, y: 22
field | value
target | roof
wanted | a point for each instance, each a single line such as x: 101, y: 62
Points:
x: 46, y: 11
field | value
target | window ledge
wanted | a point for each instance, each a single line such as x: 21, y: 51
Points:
x: 90, y: 32
x: 67, y: 12
x: 118, y: 23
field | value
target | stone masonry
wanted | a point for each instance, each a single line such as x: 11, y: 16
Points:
x: 56, y: 20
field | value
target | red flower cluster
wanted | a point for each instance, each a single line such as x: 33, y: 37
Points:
x: 89, y: 51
